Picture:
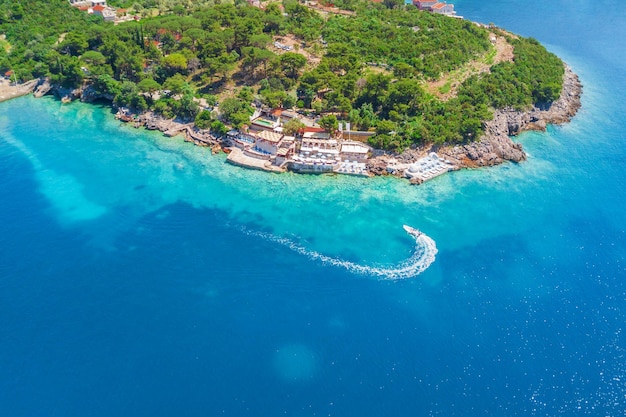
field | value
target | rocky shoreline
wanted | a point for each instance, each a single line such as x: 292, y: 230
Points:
x: 496, y: 146
x: 171, y: 127
x: 148, y: 120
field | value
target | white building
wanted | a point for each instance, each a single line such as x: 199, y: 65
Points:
x: 268, y: 142
x: 354, y: 151
x: 107, y: 13
x: 443, y: 8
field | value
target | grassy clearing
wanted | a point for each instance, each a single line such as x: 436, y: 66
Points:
x: 5, y: 45
x: 490, y: 57
x: 446, y: 86
x: 445, y: 89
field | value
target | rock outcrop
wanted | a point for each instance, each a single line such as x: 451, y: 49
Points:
x: 89, y: 94
x: 170, y: 127
x: 377, y: 165
x: 43, y: 87
x: 496, y: 146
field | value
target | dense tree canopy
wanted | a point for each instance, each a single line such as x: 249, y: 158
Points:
x: 369, y: 68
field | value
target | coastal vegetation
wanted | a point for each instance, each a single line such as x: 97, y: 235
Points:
x: 209, y: 62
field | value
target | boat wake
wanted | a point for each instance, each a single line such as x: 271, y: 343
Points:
x: 422, y: 257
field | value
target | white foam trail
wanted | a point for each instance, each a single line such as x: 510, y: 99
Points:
x: 418, y: 262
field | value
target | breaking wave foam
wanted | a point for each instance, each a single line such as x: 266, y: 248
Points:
x: 418, y: 262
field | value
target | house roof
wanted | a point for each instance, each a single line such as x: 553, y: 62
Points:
x: 269, y: 136
x: 290, y: 114
x: 354, y: 148
x: 316, y: 135
x: 98, y: 8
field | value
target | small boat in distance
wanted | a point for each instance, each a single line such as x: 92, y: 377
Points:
x: 412, y: 231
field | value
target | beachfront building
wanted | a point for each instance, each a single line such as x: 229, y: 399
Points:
x: 286, y: 150
x: 318, y: 152
x: 263, y: 149
x: 353, y: 157
x: 240, y: 139
x: 320, y: 147
x: 313, y: 150
x: 267, y: 142
x: 309, y: 165
x: 354, y: 151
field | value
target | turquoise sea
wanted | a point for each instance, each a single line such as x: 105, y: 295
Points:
x: 140, y: 275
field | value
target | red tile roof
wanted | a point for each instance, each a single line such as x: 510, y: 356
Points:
x: 98, y: 8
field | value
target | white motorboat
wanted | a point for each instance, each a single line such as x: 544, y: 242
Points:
x: 412, y: 231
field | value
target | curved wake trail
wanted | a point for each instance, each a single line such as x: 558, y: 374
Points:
x: 418, y: 262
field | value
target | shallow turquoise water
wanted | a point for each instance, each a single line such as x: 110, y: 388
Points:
x: 142, y: 275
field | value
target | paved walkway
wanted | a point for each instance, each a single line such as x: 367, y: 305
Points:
x: 9, y: 91
x: 237, y: 157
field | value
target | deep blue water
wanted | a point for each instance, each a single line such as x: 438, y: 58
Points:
x: 140, y: 275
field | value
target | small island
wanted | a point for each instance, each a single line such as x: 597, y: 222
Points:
x: 355, y: 87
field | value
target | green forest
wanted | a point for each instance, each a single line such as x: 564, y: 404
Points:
x: 368, y: 69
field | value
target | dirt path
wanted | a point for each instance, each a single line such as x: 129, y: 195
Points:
x: 289, y: 43
x: 446, y: 87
